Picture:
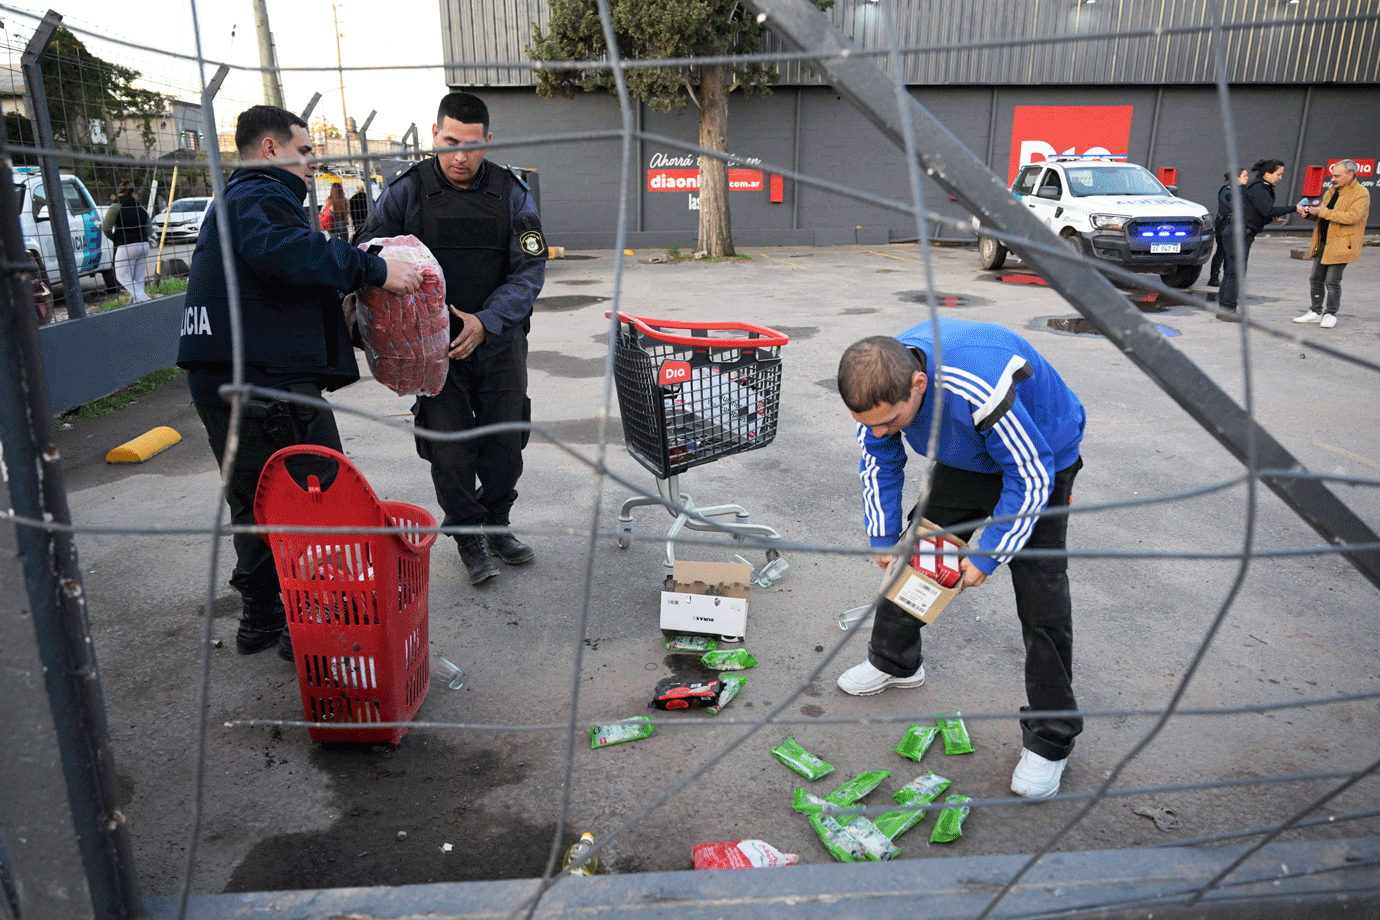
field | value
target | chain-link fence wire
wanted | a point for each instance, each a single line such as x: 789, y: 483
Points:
x: 82, y: 136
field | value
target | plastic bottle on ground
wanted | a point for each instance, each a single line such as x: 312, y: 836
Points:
x: 576, y: 853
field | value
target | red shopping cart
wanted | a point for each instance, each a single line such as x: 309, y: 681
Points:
x: 356, y: 602
x: 689, y: 394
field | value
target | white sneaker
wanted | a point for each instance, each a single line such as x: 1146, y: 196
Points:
x: 865, y: 680
x: 1035, y: 777
x: 1328, y: 321
x: 1311, y: 316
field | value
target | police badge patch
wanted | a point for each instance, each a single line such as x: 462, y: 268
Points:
x: 532, y: 243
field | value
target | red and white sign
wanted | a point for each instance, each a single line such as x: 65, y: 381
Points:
x: 1366, y: 167
x: 688, y: 180
x: 937, y: 557
x: 673, y: 372
x: 1039, y: 132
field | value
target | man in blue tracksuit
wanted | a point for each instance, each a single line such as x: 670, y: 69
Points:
x: 1009, y: 436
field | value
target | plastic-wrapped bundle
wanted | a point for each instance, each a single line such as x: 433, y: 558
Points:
x: 406, y: 338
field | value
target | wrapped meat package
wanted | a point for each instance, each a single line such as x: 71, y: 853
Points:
x: 406, y: 337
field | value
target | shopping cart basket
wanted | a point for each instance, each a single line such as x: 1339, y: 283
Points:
x: 356, y: 602
x: 689, y: 394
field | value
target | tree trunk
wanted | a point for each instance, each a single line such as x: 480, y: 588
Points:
x: 716, y: 229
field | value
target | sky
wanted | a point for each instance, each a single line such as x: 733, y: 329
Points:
x: 401, y: 32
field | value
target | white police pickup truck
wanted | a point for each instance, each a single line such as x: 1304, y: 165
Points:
x: 1113, y: 210
x: 92, y: 252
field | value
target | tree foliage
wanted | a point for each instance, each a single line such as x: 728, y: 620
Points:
x: 647, y: 30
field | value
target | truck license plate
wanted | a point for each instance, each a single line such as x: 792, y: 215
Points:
x: 1164, y: 247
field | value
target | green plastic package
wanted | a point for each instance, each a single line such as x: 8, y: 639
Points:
x: 841, y: 845
x: 807, y: 803
x: 732, y: 684
x: 801, y: 761
x: 634, y: 729
x: 917, y: 741
x: 857, y: 787
x: 876, y: 844
x: 691, y: 644
x: 735, y: 660
x: 956, y: 740
x: 922, y: 790
x: 948, y: 827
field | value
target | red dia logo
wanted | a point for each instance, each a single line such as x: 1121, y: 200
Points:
x: 1039, y: 132
x: 673, y: 372
x: 1365, y: 168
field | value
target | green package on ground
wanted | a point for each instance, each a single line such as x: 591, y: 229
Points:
x: 858, y: 786
x: 948, y: 827
x: 956, y: 740
x: 801, y: 761
x: 922, y: 790
x: 807, y: 803
x: 917, y: 741
x: 841, y: 845
x: 732, y: 684
x: 735, y: 660
x: 876, y: 844
x: 691, y: 644
x: 634, y: 729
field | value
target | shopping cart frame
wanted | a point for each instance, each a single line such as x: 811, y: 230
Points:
x: 731, y: 363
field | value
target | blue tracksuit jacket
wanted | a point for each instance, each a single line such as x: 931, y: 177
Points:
x: 1004, y: 410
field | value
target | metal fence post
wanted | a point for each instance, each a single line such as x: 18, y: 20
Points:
x: 314, y: 208
x: 31, y: 63
x: 412, y: 133
x: 368, y: 170
x: 78, y: 861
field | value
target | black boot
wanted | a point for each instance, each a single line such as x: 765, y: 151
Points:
x: 261, y: 626
x: 506, y: 546
x: 474, y: 552
x: 285, y: 645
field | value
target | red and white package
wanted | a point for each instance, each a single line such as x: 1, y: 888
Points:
x: 938, y: 558
x: 741, y: 854
x: 406, y: 338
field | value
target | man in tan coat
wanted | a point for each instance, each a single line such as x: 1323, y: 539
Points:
x: 1337, y: 239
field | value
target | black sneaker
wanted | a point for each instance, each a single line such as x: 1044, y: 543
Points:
x: 285, y: 645
x: 1214, y: 282
x: 509, y: 548
x: 474, y: 552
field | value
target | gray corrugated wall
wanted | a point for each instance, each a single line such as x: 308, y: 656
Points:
x: 1281, y: 44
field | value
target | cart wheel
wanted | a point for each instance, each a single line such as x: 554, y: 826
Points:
x: 773, y: 555
x: 624, y: 530
x: 668, y: 583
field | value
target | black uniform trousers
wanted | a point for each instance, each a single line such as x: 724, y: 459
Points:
x: 486, y: 388
x: 1042, y: 604
x: 1232, y: 273
x: 265, y: 428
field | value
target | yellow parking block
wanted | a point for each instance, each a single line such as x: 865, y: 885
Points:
x: 144, y: 446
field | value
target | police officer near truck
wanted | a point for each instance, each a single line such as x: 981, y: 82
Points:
x: 480, y: 222
x: 290, y: 280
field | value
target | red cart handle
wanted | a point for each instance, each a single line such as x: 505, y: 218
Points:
x: 770, y: 338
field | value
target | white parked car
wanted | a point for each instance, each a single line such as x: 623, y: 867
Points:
x: 184, y: 218
x: 93, y: 253
x: 1113, y: 210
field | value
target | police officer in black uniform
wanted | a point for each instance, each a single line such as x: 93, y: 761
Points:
x: 480, y: 222
x: 290, y: 280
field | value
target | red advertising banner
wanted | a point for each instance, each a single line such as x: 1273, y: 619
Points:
x: 1366, y: 170
x: 688, y: 180
x: 1039, y: 132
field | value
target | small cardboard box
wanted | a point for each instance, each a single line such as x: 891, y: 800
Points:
x: 707, y: 597
x: 917, y: 592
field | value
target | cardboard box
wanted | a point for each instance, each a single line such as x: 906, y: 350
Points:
x: 707, y: 597
x: 917, y: 592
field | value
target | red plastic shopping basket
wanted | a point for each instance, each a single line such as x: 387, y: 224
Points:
x: 356, y: 602
x: 690, y: 393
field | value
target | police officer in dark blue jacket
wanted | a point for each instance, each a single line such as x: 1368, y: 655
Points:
x: 480, y: 222
x: 290, y: 280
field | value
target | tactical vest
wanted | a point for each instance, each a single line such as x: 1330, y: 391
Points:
x: 468, y: 232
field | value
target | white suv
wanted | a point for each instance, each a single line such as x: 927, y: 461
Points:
x: 93, y: 253
x: 1116, y: 211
